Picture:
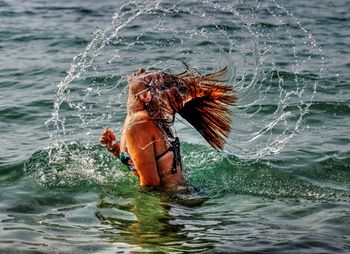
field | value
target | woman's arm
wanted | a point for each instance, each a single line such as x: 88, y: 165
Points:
x: 141, y: 149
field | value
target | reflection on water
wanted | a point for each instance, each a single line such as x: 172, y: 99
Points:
x: 142, y: 220
x: 147, y: 219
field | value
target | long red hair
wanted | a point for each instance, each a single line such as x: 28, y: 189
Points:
x: 204, y: 101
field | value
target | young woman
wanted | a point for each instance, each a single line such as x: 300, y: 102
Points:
x: 147, y: 144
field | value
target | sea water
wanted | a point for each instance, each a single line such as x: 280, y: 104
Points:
x: 281, y: 185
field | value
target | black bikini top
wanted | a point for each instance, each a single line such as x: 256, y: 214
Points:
x: 175, y: 148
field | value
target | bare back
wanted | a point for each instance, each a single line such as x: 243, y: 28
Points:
x: 149, y: 150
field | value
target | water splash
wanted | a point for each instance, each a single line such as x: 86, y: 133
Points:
x: 255, y: 40
x: 210, y: 175
x: 85, y: 60
x: 77, y: 166
x: 270, y: 55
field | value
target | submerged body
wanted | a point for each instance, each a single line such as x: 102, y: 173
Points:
x: 151, y: 149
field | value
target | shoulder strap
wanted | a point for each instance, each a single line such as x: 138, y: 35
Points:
x: 164, y: 153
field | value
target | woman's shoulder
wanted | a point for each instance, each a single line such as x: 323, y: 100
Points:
x: 139, y: 124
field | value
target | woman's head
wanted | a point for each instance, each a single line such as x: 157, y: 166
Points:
x: 203, y: 100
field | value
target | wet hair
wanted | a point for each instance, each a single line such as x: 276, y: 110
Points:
x: 203, y: 100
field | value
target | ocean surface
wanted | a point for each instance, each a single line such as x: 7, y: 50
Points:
x: 282, y: 183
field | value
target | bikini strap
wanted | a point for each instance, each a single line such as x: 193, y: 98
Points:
x: 164, y: 153
x: 177, y: 157
x: 175, y: 148
x: 174, y: 145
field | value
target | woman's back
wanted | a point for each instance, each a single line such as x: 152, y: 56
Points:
x: 152, y: 152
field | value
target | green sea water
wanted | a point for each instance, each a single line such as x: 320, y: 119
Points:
x: 281, y: 185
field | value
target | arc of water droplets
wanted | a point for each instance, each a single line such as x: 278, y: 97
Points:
x: 124, y: 16
x: 84, y: 59
x: 277, y: 144
x: 100, y: 39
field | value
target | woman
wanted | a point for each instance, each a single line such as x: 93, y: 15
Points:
x: 147, y: 144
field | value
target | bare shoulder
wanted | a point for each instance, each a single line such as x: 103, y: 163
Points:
x: 140, y: 133
x: 139, y: 138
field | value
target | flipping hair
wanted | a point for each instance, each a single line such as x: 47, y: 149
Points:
x: 209, y: 109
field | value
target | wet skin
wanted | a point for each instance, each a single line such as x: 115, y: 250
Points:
x: 143, y: 140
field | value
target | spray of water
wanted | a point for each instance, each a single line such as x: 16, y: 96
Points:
x: 269, y: 65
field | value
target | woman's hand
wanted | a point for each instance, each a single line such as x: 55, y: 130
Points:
x: 107, y: 138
